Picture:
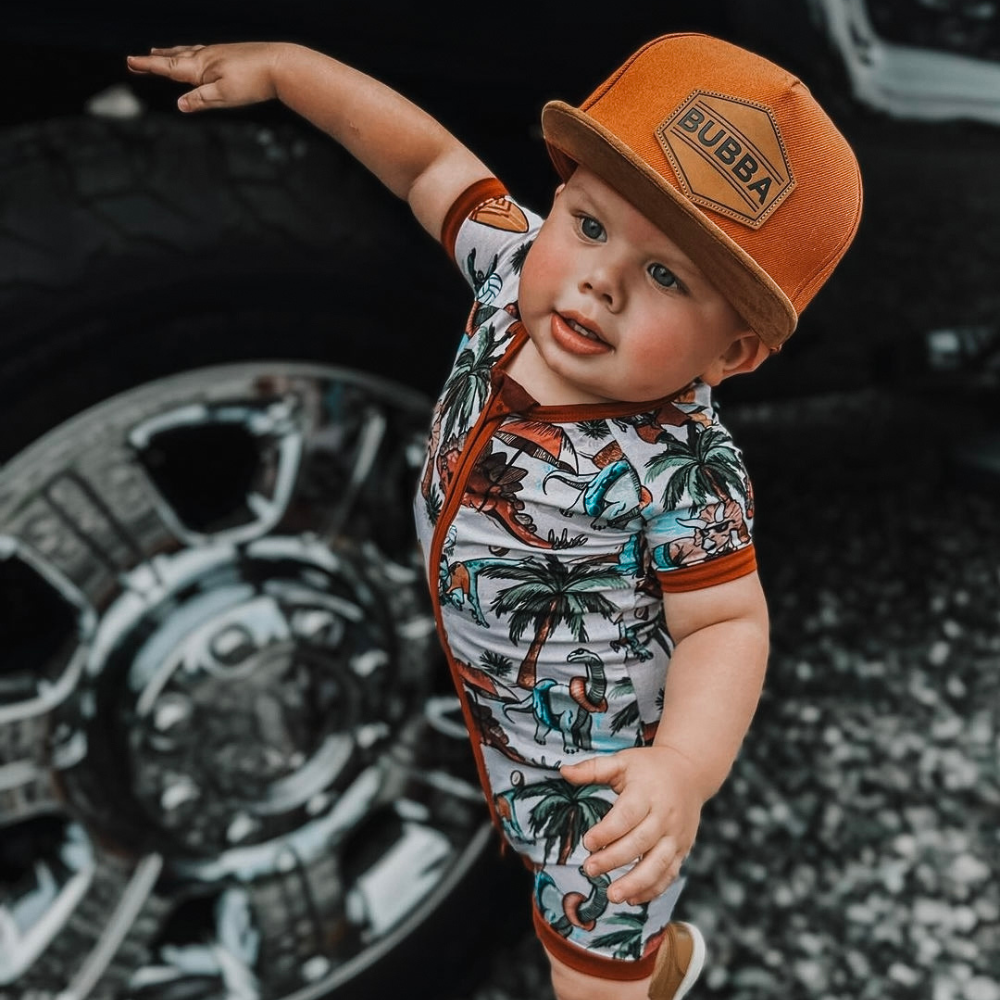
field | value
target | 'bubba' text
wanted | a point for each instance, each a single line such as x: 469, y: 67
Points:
x: 727, y: 150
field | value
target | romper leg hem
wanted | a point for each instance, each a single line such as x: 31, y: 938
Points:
x: 587, y: 962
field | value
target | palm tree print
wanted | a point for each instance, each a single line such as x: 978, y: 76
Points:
x: 566, y: 812
x: 519, y: 256
x: 706, y: 467
x: 469, y: 384
x: 628, y: 716
x: 596, y: 430
x: 627, y: 942
x: 433, y: 503
x: 551, y: 593
x: 496, y: 663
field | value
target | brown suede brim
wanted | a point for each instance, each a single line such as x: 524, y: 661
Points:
x: 573, y: 138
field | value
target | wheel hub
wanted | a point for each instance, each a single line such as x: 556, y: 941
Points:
x: 242, y: 700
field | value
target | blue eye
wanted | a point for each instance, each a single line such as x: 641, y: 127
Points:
x: 591, y: 228
x: 663, y: 276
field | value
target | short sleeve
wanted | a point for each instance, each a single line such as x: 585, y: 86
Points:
x: 702, y: 534
x: 488, y: 234
x: 472, y: 198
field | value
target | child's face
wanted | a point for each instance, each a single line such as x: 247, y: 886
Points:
x: 653, y: 321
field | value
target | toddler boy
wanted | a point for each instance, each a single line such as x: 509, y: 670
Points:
x: 584, y: 515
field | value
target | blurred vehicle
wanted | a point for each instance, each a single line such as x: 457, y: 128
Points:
x: 230, y: 764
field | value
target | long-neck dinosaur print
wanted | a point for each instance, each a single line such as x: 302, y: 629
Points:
x: 567, y: 707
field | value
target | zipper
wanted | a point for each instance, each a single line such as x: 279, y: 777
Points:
x: 497, y: 407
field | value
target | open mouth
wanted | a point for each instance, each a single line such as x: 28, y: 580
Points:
x: 576, y: 338
x: 582, y: 330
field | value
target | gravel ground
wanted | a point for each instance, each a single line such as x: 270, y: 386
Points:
x: 854, y: 851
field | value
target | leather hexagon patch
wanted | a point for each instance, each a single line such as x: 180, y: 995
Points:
x: 728, y: 156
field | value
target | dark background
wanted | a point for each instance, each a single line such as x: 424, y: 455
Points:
x: 925, y: 252
x: 846, y: 856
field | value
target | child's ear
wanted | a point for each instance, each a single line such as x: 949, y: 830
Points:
x: 744, y: 354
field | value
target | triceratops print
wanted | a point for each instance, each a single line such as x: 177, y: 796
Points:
x: 718, y: 529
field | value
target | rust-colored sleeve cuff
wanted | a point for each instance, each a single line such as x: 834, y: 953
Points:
x: 709, y: 573
x: 470, y: 199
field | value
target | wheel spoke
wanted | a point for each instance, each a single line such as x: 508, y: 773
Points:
x: 123, y: 922
x: 26, y: 786
x: 216, y: 957
x: 88, y: 523
x: 77, y: 920
x: 297, y: 910
x: 370, y: 438
x: 85, y: 515
x: 433, y: 764
x: 38, y: 676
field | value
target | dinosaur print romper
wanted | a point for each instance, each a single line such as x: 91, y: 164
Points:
x: 550, y: 534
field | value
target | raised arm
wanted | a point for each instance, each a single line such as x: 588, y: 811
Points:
x: 408, y: 150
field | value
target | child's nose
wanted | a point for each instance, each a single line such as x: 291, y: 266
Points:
x: 603, y: 282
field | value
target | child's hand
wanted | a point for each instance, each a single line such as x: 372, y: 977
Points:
x: 655, y: 818
x: 225, y: 76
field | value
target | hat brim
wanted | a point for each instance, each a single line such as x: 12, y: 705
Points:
x: 573, y: 137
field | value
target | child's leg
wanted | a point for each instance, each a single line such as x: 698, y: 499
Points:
x: 678, y: 963
x: 569, y: 984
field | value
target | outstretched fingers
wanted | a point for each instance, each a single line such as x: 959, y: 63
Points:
x: 222, y: 76
x: 651, y: 825
x: 176, y: 63
x: 175, y: 49
x: 179, y: 63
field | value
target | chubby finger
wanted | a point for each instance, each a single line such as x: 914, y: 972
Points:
x: 654, y: 873
x: 136, y: 64
x: 595, y: 771
x: 176, y: 67
x: 201, y: 98
x: 175, y: 50
x: 624, y: 816
x: 623, y: 851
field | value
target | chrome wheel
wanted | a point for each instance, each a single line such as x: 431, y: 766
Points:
x: 226, y: 770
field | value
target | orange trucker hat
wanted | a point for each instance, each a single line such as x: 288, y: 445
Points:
x: 733, y: 158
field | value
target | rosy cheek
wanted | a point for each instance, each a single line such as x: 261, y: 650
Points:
x: 541, y: 273
x: 656, y: 361
x: 652, y: 347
